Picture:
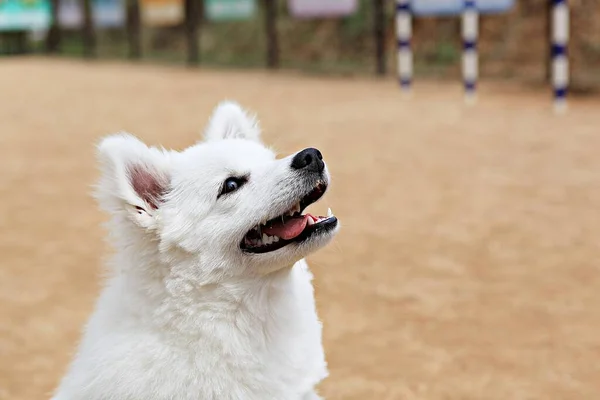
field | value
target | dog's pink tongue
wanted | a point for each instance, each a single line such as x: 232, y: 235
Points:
x: 289, y: 229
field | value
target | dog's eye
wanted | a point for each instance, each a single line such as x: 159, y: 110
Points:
x: 232, y: 184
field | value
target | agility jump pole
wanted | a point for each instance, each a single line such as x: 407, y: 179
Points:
x: 560, y: 60
x: 470, y: 59
x: 403, y: 37
x: 470, y: 32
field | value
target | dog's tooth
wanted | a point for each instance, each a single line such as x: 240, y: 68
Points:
x: 265, y: 238
x: 310, y: 221
x: 275, y: 239
x: 329, y: 213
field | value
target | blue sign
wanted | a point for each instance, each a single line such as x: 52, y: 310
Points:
x: 455, y: 7
x: 229, y: 10
x: 16, y: 15
x: 105, y: 13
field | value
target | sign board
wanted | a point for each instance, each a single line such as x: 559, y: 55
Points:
x: 17, y: 15
x: 455, y: 7
x: 105, y: 13
x: 322, y: 8
x: 229, y: 10
x: 162, y: 12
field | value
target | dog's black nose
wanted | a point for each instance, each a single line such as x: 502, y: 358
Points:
x: 309, y: 159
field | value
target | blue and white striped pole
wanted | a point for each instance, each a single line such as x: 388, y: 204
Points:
x: 560, y: 60
x: 470, y: 31
x: 403, y: 36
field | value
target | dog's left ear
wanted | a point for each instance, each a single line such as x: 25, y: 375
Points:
x: 230, y: 121
x: 134, y: 178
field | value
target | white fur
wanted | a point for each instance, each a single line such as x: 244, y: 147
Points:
x: 186, y: 314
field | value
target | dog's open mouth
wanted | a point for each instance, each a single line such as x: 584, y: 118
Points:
x: 292, y: 226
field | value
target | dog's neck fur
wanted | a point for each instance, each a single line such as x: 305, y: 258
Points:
x: 169, y: 296
x: 257, y: 336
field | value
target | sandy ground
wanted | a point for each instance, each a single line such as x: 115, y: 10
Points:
x: 467, y: 266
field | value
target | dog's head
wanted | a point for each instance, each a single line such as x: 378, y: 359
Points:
x: 225, y: 206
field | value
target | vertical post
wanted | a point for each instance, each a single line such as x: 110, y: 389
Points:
x: 271, y: 31
x: 470, y: 31
x: 560, y: 60
x: 548, y: 28
x: 379, y: 31
x: 192, y: 17
x: 403, y: 36
x: 134, y: 36
x: 54, y: 34
x: 89, y: 34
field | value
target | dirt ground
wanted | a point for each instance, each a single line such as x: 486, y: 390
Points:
x: 467, y: 263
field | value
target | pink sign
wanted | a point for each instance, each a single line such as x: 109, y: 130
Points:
x: 321, y: 8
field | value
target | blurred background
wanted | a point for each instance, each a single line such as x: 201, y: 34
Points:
x: 340, y: 36
x: 466, y: 267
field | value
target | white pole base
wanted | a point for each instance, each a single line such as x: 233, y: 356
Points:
x: 470, y: 99
x: 407, y: 92
x: 560, y: 106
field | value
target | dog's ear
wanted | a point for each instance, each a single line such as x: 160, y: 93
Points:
x: 230, y: 121
x: 134, y: 178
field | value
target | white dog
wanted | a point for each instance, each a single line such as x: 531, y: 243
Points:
x: 209, y: 296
